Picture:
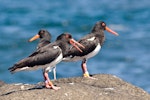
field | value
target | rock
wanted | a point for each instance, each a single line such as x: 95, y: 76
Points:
x: 104, y: 87
x: 2, y: 83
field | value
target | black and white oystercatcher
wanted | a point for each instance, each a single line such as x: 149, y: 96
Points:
x: 92, y: 43
x: 45, y: 39
x: 46, y: 57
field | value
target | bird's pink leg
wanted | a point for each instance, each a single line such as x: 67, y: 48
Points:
x: 84, y: 69
x: 48, y: 83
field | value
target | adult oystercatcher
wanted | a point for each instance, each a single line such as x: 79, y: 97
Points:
x: 46, y: 57
x: 45, y: 39
x: 92, y: 43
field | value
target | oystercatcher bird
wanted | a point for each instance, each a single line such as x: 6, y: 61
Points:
x: 46, y: 57
x: 45, y: 39
x: 92, y: 43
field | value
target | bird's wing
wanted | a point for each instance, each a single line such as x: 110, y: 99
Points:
x: 40, y: 57
x: 89, y: 42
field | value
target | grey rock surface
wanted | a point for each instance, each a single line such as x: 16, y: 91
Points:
x: 104, y: 87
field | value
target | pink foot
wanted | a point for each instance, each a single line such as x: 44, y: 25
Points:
x: 55, y: 87
x: 49, y: 85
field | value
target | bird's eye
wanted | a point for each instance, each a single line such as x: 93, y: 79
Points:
x: 68, y: 36
x: 43, y: 31
x: 103, y: 24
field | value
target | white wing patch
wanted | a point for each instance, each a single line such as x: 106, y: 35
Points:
x: 91, y: 39
x: 55, y: 47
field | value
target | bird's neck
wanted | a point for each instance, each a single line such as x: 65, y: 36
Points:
x: 99, y: 34
x: 43, y: 43
x: 63, y: 45
x: 44, y: 39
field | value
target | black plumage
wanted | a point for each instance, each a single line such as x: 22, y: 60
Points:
x: 92, y: 43
x: 46, y: 57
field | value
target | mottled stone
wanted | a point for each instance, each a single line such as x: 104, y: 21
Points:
x: 104, y: 87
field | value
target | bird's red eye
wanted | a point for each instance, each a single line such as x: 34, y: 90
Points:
x: 103, y: 24
x: 68, y: 36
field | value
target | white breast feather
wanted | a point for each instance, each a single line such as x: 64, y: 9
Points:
x: 91, y: 39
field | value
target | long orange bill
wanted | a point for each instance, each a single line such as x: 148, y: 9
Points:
x: 75, y: 43
x: 111, y: 31
x: 34, y: 38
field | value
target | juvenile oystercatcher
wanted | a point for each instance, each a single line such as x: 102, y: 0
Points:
x: 45, y: 39
x: 92, y: 43
x: 46, y: 57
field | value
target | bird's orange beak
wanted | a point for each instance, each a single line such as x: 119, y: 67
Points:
x: 76, y: 44
x: 34, y: 38
x: 111, y: 31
